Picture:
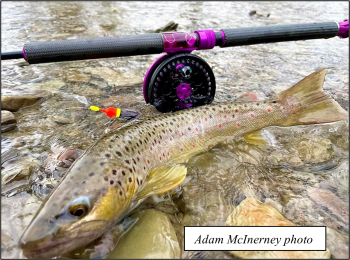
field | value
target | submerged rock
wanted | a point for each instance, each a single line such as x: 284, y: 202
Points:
x: 251, y: 212
x: 338, y: 244
x: 169, y: 27
x: 8, y: 121
x: 329, y: 200
x: 152, y: 236
x: 15, y: 102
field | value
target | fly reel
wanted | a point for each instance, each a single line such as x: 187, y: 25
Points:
x: 179, y: 81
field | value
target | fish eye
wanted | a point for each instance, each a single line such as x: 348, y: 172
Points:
x: 79, y: 207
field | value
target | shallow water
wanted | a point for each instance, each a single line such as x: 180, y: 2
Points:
x: 296, y: 158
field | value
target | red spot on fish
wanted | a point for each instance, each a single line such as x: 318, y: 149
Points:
x: 171, y: 139
x: 196, y: 129
x: 206, y: 119
x: 147, y: 161
x: 144, y: 167
x: 225, y: 116
x: 168, y: 153
x: 236, y: 111
x: 269, y: 110
x: 251, y: 115
x: 238, y: 124
x: 211, y: 137
x: 158, y: 142
x: 182, y: 133
x: 139, y: 152
x: 283, y: 108
x: 219, y: 126
x: 181, y: 149
x: 261, y: 123
x: 194, y: 146
x: 160, y: 158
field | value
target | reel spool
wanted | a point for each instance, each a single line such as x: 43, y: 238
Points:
x: 179, y: 81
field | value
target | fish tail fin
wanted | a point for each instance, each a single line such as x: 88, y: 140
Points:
x: 309, y: 104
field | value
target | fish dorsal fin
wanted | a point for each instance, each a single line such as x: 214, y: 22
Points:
x: 149, y: 111
x: 163, y: 179
x: 256, y: 138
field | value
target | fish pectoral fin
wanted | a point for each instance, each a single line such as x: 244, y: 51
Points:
x: 163, y: 179
x: 149, y: 111
x: 256, y: 138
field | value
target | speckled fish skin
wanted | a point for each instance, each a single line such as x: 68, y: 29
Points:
x: 112, y: 172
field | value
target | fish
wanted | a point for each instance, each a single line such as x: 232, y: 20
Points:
x: 147, y: 156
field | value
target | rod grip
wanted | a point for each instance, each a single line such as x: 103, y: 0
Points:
x: 81, y: 49
x: 279, y: 33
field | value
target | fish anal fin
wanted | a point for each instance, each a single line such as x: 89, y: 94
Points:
x: 163, y: 179
x: 256, y: 138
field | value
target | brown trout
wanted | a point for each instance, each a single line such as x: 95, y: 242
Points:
x: 145, y: 157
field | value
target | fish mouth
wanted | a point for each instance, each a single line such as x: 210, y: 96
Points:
x: 54, y: 245
x: 45, y: 250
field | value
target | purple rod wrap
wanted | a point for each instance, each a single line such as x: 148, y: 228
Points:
x: 207, y: 39
x: 24, y: 54
x: 343, y: 29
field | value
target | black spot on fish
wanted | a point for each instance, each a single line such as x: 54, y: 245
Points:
x: 189, y: 128
x: 75, y: 194
x: 213, y: 108
x: 114, y: 172
x: 130, y: 179
x: 118, y: 153
x: 110, y: 146
x: 163, y: 131
x: 257, y: 104
x: 120, y: 193
x: 137, y: 179
x: 108, y: 155
x: 112, y: 141
x: 111, y: 182
x: 133, y: 160
x: 138, y: 159
x: 274, y: 101
x: 91, y: 174
x: 149, y: 134
x: 245, y: 105
x: 105, y: 178
x: 127, y: 161
x: 129, y: 142
x: 171, y: 123
x: 102, y: 163
x: 83, y: 182
x: 127, y: 148
x: 140, y: 182
x: 134, y: 168
x: 119, y: 183
x: 130, y: 170
x: 123, y: 172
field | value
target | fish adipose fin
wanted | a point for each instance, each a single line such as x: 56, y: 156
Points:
x: 149, y: 111
x: 163, y: 179
x: 309, y: 104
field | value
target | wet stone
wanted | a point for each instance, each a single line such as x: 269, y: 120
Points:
x: 15, y: 102
x: 251, y: 212
x: 154, y: 236
x: 8, y: 121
